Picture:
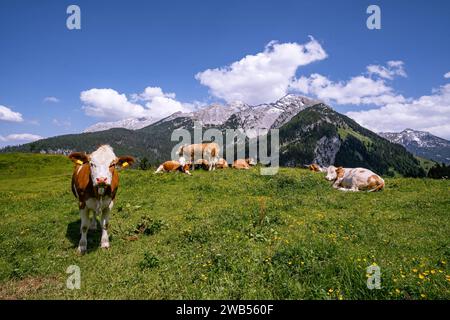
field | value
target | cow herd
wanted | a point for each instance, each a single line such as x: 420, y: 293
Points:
x: 95, y: 179
x: 201, y: 156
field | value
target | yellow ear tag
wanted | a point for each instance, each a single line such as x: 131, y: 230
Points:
x: 125, y: 164
x: 79, y: 162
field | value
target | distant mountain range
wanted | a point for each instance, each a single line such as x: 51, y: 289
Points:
x: 255, y: 120
x: 309, y: 131
x: 422, y: 144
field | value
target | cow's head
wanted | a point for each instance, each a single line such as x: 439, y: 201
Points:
x: 102, y: 163
x: 186, y: 167
x: 251, y: 161
x: 331, y: 173
x: 315, y: 167
x: 334, y: 173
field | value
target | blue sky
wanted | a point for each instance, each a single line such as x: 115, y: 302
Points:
x: 127, y: 46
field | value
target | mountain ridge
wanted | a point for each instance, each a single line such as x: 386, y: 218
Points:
x: 421, y: 143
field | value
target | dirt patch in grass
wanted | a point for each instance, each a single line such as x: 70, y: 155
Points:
x: 28, y: 287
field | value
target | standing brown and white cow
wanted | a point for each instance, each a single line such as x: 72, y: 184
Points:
x: 94, y: 183
x: 193, y: 152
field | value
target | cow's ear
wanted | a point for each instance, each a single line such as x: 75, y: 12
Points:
x: 125, y: 161
x: 79, y: 157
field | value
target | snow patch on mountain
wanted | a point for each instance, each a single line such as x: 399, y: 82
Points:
x: 131, y: 124
x: 414, y: 137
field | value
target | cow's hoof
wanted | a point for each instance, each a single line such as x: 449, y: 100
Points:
x: 82, y: 249
x: 105, y: 245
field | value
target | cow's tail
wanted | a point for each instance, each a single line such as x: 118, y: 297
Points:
x: 379, y: 186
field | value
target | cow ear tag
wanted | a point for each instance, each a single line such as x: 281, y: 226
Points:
x: 79, y: 162
x: 125, y: 164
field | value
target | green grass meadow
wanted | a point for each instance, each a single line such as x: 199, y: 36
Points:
x: 225, y: 234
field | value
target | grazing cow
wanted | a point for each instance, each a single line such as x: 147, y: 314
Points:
x: 206, y: 151
x: 316, y: 168
x: 94, y: 183
x: 222, y: 164
x: 170, y: 166
x: 241, y: 164
x: 354, y: 179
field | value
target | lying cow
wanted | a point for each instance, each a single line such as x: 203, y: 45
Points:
x: 354, y: 179
x: 251, y: 162
x: 316, y: 168
x: 94, y: 183
x: 206, y: 151
x: 222, y: 164
x: 170, y: 166
x: 241, y: 164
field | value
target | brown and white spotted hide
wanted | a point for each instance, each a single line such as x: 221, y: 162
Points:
x: 222, y: 164
x: 241, y: 164
x: 354, y: 179
x: 95, y: 182
x: 172, y: 165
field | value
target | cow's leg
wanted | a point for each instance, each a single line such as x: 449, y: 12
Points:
x: 84, y: 214
x: 354, y: 187
x: 93, y: 225
x: 105, y: 225
x: 210, y: 164
x: 337, y: 184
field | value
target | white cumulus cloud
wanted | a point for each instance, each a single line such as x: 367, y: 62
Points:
x: 20, y: 137
x: 7, y: 114
x: 160, y: 104
x: 447, y: 75
x: 263, y: 77
x: 357, y: 90
x: 111, y: 105
x: 393, y: 68
x: 428, y: 113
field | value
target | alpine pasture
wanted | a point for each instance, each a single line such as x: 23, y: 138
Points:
x: 225, y: 234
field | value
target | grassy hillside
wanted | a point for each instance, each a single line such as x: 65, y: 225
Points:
x: 426, y: 164
x: 226, y: 234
